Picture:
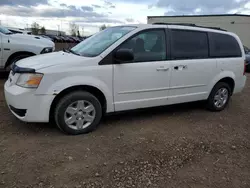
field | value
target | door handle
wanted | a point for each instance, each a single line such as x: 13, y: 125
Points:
x: 162, y: 69
x: 180, y: 67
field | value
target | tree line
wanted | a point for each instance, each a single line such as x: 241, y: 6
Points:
x: 74, y: 29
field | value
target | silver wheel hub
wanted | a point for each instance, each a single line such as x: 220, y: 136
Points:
x: 79, y: 115
x: 221, y: 97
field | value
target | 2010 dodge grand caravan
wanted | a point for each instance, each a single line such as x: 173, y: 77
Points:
x: 127, y: 67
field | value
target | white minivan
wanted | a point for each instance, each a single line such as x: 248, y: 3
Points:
x: 127, y: 67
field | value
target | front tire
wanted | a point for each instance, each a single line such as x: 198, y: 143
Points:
x: 78, y: 113
x: 219, y: 97
x: 16, y: 59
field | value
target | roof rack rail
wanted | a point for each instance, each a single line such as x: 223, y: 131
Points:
x: 189, y: 24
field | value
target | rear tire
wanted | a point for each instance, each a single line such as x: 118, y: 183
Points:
x: 219, y: 97
x: 78, y: 112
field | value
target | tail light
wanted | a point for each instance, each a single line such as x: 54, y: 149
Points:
x: 245, y: 67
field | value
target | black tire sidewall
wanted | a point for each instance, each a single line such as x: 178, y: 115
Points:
x: 69, y: 99
x: 218, y: 86
x: 16, y: 59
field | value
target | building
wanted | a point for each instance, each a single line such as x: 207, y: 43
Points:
x: 236, y: 23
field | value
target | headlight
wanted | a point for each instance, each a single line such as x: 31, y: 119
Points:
x: 47, y: 50
x: 29, y: 80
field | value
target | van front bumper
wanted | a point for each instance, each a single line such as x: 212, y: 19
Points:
x: 26, y: 105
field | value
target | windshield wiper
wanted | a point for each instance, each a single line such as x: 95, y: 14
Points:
x: 73, y: 52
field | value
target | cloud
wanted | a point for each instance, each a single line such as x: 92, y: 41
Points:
x: 84, y: 14
x: 70, y: 11
x: 180, y: 7
x: 96, y: 6
x: 109, y: 4
x: 22, y: 2
x: 130, y: 20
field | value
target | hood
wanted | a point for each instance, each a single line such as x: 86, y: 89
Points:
x: 52, y: 59
x: 32, y: 38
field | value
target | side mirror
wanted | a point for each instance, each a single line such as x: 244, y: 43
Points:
x: 123, y: 56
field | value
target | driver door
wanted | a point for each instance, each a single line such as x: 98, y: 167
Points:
x: 145, y: 81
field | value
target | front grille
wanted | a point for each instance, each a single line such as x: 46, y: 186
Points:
x: 19, y: 112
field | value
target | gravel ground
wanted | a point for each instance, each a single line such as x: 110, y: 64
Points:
x: 177, y: 146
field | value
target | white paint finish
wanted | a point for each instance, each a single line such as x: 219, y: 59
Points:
x: 192, y: 80
x: 139, y: 85
x: 22, y: 98
x: 22, y: 43
x: 125, y: 86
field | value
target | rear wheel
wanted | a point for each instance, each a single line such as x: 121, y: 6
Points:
x: 78, y: 112
x: 219, y: 97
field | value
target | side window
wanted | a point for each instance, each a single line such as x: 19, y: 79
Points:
x: 222, y: 45
x: 187, y: 44
x: 147, y: 46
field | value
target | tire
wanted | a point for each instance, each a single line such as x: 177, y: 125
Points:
x: 211, y: 102
x: 74, y: 107
x: 15, y: 59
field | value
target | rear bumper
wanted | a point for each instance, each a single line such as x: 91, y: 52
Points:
x: 240, y: 84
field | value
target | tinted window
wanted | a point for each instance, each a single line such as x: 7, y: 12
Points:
x: 189, y: 44
x: 147, y: 46
x: 222, y: 45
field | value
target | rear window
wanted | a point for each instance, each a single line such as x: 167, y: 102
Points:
x: 188, y: 44
x: 222, y: 45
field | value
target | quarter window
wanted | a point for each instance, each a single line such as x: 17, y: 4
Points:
x: 187, y: 44
x: 147, y: 46
x: 222, y: 45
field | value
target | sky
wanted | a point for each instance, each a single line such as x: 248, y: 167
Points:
x: 91, y: 14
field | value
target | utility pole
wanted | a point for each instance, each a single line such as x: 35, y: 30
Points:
x: 61, y: 24
x: 58, y: 30
x: 82, y: 31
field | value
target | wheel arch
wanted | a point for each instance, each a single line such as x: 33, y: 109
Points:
x: 91, y: 89
x: 16, y: 54
x: 227, y: 77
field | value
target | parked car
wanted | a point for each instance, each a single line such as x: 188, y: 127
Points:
x: 18, y: 46
x: 70, y: 40
x: 247, y: 52
x: 47, y: 37
x: 19, y: 31
x: 124, y: 68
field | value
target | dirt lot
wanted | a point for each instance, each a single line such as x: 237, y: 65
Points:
x: 178, y: 146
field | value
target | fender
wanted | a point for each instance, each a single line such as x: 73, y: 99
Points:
x: 221, y: 75
x: 70, y: 81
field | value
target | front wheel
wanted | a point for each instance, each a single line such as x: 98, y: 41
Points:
x: 16, y: 59
x: 78, y: 112
x: 219, y: 97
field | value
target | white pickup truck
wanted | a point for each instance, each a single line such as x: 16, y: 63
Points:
x: 14, y: 47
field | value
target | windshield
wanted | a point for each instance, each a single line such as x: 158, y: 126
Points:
x: 4, y: 30
x: 96, y: 44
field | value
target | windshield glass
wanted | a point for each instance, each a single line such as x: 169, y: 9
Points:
x: 4, y: 30
x: 99, y: 42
